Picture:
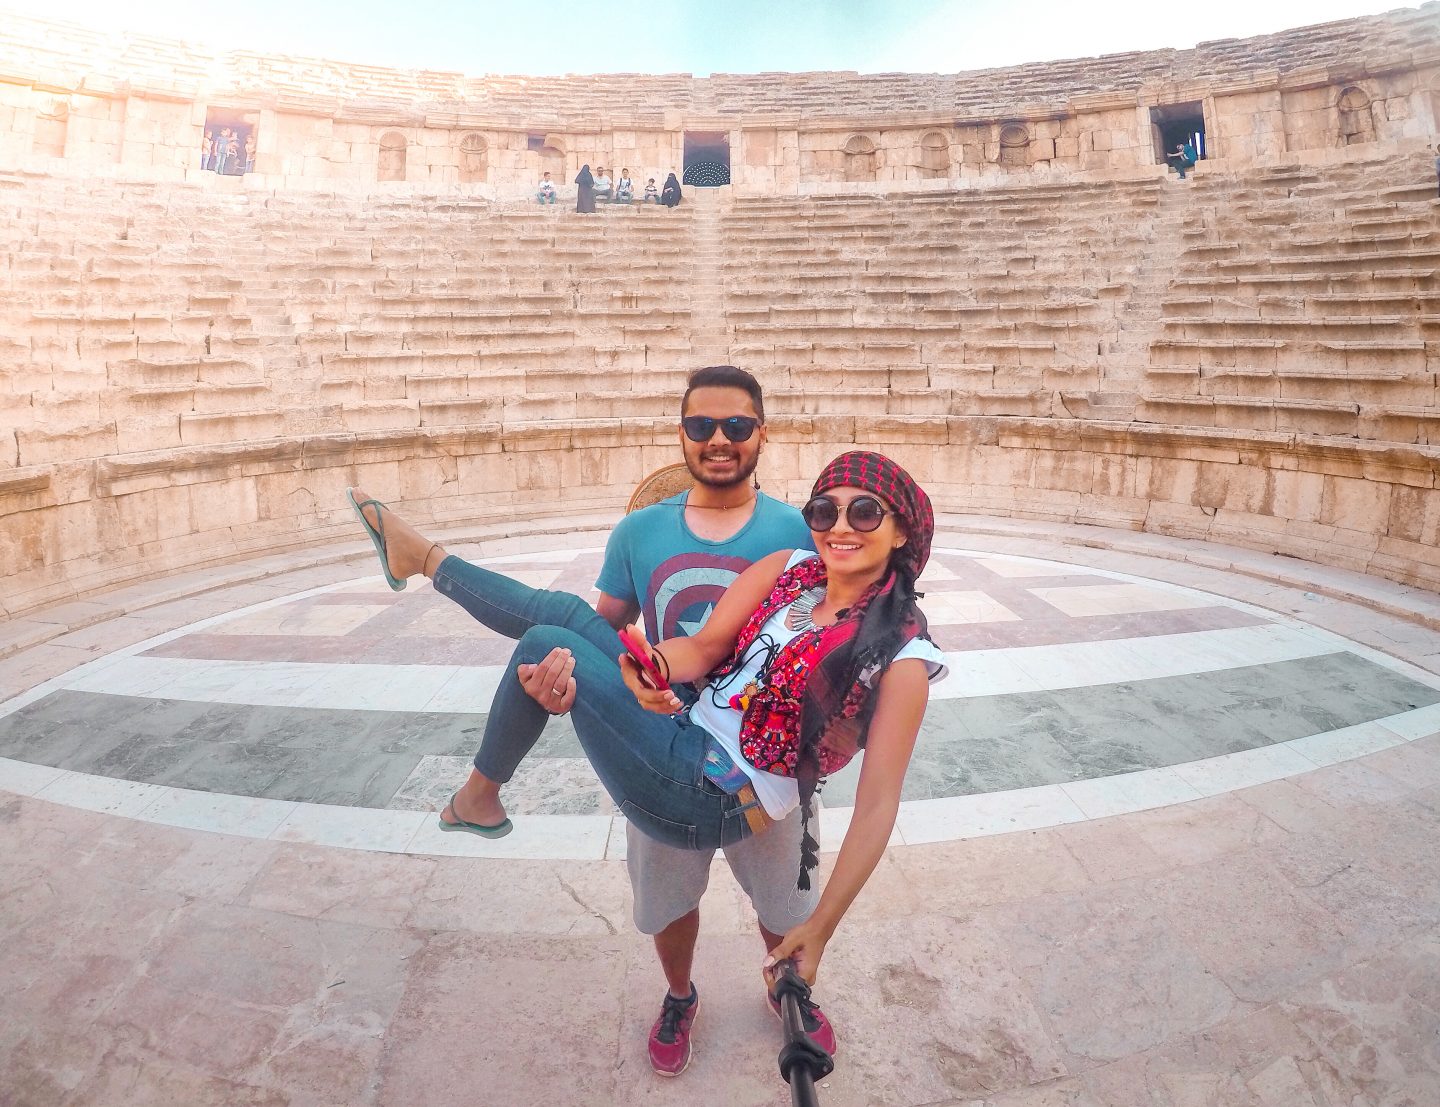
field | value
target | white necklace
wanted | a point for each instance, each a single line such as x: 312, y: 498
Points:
x: 798, y: 616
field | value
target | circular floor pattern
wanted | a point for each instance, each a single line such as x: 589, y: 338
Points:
x: 344, y: 715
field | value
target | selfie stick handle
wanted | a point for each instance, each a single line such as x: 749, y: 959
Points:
x: 802, y: 1062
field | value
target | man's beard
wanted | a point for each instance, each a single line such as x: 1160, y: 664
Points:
x: 742, y: 474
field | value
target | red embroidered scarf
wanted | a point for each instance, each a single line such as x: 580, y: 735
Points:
x: 797, y: 682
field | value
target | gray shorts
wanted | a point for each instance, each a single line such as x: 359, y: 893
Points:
x: 668, y: 882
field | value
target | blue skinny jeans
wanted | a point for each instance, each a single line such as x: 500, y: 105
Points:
x: 650, y: 764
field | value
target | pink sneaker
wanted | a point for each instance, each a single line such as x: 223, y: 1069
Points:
x: 817, y: 1026
x: 670, y: 1036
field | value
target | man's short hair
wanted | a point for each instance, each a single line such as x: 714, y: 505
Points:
x: 725, y: 376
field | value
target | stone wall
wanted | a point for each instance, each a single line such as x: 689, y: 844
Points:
x: 194, y: 376
x: 78, y: 527
x: 74, y: 101
x: 1040, y: 325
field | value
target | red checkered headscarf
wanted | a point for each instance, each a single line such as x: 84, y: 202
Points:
x: 826, y: 675
x: 878, y: 474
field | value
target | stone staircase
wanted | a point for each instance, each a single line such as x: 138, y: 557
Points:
x: 710, y: 336
x: 1308, y: 302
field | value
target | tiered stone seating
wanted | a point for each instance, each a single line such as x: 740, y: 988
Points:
x: 196, y: 318
x: 1305, y: 302
x: 1248, y: 356
x: 987, y: 302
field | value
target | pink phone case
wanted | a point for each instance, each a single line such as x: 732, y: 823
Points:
x: 642, y: 656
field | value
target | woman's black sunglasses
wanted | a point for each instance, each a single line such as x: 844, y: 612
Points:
x: 865, y: 513
x: 701, y: 428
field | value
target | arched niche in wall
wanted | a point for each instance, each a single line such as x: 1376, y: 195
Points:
x: 474, y: 158
x: 1014, y: 145
x: 1357, y: 124
x: 934, y: 156
x: 859, y: 158
x: 51, y: 126
x: 392, y: 156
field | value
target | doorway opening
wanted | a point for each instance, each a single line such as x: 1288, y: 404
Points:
x: 1173, y: 125
x: 228, y: 144
x: 707, y: 159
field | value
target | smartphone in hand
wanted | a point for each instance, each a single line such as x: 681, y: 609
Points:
x: 649, y: 671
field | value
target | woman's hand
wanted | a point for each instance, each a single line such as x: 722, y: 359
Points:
x: 551, y: 682
x: 664, y: 702
x: 804, y: 945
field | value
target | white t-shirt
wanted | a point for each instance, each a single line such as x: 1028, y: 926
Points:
x: 779, y: 795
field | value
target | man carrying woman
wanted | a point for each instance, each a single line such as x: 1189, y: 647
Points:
x: 804, y: 661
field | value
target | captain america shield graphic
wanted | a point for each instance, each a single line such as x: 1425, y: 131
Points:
x: 684, y: 589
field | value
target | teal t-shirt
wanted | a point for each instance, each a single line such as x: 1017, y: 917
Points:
x: 653, y: 559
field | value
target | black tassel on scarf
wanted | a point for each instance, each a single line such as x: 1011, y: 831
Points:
x: 809, y: 852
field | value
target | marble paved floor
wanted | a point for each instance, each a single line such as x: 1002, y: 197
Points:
x: 1168, y: 837
x: 1071, y: 691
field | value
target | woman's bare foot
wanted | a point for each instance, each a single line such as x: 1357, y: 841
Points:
x: 407, y: 551
x: 477, y: 802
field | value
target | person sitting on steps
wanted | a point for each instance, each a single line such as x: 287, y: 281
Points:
x: 603, y: 187
x: 1183, y: 158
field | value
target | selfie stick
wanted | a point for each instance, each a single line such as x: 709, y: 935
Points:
x: 802, y: 1062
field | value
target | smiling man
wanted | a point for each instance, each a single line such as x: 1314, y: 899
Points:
x: 669, y: 563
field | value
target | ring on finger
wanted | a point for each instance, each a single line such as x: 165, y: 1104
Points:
x: 557, y: 691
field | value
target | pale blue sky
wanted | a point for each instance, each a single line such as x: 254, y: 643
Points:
x: 733, y: 36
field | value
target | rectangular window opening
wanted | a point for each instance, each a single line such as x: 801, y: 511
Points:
x: 1174, y: 126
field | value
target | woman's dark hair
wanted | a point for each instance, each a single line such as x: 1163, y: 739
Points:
x: 724, y: 376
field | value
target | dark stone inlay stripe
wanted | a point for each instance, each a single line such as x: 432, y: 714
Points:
x: 985, y: 744
x: 995, y: 743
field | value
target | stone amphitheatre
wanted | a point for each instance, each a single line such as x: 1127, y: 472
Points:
x: 1170, y: 832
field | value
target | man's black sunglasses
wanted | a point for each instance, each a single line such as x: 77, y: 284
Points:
x: 701, y: 428
x: 864, y: 513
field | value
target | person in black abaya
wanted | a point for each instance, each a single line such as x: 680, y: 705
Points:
x: 585, y: 190
x: 670, y: 194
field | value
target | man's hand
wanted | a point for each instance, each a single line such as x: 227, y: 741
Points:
x: 551, y: 683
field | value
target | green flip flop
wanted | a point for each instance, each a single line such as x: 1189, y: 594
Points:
x: 377, y: 535
x: 499, y: 830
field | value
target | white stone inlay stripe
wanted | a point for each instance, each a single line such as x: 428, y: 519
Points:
x: 595, y: 837
x: 470, y: 688
x: 449, y: 688
x: 1084, y: 664
x: 1117, y: 599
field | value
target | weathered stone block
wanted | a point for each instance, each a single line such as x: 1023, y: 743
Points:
x: 37, y: 447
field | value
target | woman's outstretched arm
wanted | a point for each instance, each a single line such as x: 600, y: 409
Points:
x: 904, y: 691
x: 697, y: 656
